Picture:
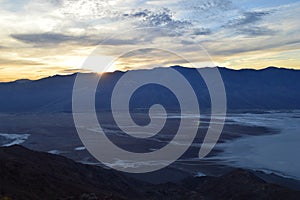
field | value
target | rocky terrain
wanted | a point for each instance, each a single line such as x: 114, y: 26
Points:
x: 27, y: 174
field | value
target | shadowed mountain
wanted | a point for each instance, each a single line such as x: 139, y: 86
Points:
x: 270, y: 88
x: 27, y: 174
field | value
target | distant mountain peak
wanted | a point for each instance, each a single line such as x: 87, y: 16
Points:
x: 23, y: 81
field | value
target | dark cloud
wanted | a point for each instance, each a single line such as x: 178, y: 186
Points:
x: 68, y: 71
x: 126, y: 68
x: 166, y: 23
x: 117, y: 42
x: 187, y: 42
x: 163, y: 17
x: 140, y: 52
x: 50, y: 39
x: 192, y: 33
x: 261, y: 47
x: 248, y: 18
x: 248, y: 24
x: 256, y: 31
x: 138, y: 14
x: 45, y: 38
x: 201, y: 31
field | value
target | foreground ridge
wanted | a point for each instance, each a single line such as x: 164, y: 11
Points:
x: 27, y: 174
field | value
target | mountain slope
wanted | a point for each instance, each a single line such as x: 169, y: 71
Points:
x: 26, y: 174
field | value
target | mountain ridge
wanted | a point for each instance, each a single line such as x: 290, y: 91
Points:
x: 247, y: 89
x: 74, y: 74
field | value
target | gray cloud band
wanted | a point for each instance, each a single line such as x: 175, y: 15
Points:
x: 103, y: 149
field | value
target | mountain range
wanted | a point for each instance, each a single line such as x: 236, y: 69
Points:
x: 247, y: 89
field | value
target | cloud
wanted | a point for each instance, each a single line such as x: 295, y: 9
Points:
x: 256, y: 31
x: 118, y: 42
x: 250, y: 24
x: 201, y: 31
x: 235, y: 47
x: 19, y: 62
x: 207, y: 11
x: 72, y: 71
x: 45, y: 38
x: 155, y: 18
x: 247, y: 18
x: 52, y: 39
x: 88, y: 9
x: 65, y: 32
x: 208, y: 5
x: 201, y: 9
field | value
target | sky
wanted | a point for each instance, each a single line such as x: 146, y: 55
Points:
x: 41, y: 38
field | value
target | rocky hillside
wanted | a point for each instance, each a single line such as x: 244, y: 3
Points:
x: 27, y: 174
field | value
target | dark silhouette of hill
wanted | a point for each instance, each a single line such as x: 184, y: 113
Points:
x: 247, y: 89
x: 27, y: 174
